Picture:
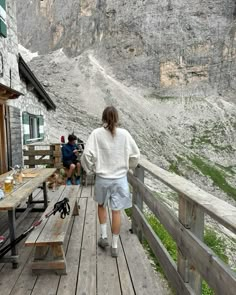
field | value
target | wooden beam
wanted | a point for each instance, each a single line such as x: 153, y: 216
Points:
x: 201, y: 256
x: 218, y: 209
x: 162, y: 255
x: 192, y: 218
x: 37, y: 152
x: 138, y: 200
x: 34, y: 162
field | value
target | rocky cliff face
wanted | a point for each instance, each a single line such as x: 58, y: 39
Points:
x: 169, y: 67
x: 179, y: 48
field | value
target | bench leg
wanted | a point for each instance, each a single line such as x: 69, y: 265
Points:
x: 59, y: 256
x: 40, y: 253
x: 44, y: 260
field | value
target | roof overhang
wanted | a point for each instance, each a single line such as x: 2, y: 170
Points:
x: 8, y: 93
x: 28, y: 75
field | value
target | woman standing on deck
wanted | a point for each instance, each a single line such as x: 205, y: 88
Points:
x: 109, y: 152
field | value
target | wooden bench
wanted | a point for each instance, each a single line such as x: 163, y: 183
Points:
x: 49, y: 237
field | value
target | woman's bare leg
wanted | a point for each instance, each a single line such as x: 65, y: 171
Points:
x: 102, y: 214
x: 116, y: 221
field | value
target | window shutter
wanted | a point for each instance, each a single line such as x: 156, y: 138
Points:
x: 41, y: 127
x: 3, y: 25
x: 26, y: 127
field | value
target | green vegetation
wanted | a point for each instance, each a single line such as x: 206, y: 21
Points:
x: 215, y: 174
x: 228, y: 169
x: 128, y: 212
x: 211, y: 239
x: 216, y: 243
x: 174, y: 167
x: 212, y: 136
x: 207, y: 139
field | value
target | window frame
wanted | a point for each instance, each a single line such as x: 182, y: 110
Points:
x: 3, y: 23
x: 33, y: 127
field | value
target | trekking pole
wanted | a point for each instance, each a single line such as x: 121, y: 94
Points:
x: 62, y: 206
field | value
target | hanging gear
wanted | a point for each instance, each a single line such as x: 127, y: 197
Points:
x: 62, y: 206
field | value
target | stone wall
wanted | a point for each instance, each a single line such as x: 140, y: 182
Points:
x: 9, y: 73
x: 9, y: 76
x: 31, y: 104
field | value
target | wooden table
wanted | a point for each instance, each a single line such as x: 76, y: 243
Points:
x: 23, y: 192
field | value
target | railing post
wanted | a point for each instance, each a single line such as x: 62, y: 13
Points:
x: 192, y: 218
x: 32, y: 157
x: 52, y: 149
x: 138, y: 200
x: 57, y: 155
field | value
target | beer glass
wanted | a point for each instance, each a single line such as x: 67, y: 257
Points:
x: 8, y: 186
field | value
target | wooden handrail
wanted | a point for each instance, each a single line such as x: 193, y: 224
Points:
x: 195, y: 259
x: 218, y: 209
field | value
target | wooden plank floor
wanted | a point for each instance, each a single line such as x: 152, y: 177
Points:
x: 91, y: 270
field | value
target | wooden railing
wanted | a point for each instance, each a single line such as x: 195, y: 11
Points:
x: 42, y: 154
x: 196, y: 261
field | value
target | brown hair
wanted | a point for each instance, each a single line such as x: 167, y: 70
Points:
x: 110, y: 118
x: 72, y: 137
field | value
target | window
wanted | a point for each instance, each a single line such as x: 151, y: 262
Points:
x: 33, y: 128
x: 3, y: 25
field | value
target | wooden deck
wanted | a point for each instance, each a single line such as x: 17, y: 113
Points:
x: 91, y: 270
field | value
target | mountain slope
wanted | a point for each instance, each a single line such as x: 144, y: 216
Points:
x: 179, y: 134
x: 184, y: 48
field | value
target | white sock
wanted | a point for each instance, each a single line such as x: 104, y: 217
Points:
x: 115, y: 239
x: 103, y: 230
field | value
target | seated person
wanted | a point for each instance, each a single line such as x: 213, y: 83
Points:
x: 69, y: 159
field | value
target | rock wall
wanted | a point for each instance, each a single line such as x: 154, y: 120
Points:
x: 178, y: 48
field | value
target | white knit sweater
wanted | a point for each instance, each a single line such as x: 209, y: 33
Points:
x: 108, y: 156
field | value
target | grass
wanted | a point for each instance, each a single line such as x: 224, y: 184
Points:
x: 215, y: 174
x: 211, y: 239
x: 228, y: 169
x: 207, y: 139
x: 174, y: 168
x: 128, y: 212
x: 174, y: 165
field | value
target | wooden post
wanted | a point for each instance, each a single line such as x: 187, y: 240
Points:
x: 32, y: 157
x: 57, y: 155
x: 138, y: 200
x: 192, y: 218
x: 52, y: 148
x: 45, y: 195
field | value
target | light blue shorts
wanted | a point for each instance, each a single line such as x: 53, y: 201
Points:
x: 113, y: 192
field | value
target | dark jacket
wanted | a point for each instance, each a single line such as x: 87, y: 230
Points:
x: 67, y: 152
